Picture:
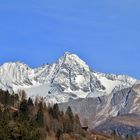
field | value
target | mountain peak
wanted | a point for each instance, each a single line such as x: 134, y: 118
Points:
x: 67, y: 53
x: 72, y: 58
x: 71, y: 55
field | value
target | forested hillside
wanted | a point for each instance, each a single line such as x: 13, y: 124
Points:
x: 23, y: 119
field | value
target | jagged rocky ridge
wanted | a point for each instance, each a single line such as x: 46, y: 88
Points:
x: 70, y: 81
x: 67, y: 79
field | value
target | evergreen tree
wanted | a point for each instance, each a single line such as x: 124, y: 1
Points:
x: 56, y: 111
x: 40, y: 116
x: 6, y: 98
x: 24, y: 110
x: 68, y: 126
x: 30, y: 102
x: 70, y: 114
x: 77, y: 125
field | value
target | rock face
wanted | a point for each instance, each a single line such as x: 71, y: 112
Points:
x: 125, y: 125
x: 70, y: 81
x: 98, y: 111
x: 99, y: 108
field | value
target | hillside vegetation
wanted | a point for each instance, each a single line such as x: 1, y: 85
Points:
x: 23, y: 119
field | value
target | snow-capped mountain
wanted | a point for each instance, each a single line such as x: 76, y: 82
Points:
x: 68, y: 79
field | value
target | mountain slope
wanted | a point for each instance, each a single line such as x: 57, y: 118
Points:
x: 67, y: 79
x: 98, y: 110
x: 125, y: 125
x: 71, y: 82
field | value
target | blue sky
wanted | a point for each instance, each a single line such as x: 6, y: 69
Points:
x: 104, y: 33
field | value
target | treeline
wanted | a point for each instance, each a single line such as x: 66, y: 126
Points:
x: 23, y: 119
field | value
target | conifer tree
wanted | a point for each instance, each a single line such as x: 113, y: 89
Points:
x: 30, y: 102
x: 56, y: 111
x: 70, y: 114
x: 77, y: 125
x: 40, y: 116
x: 24, y: 110
x: 68, y: 121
